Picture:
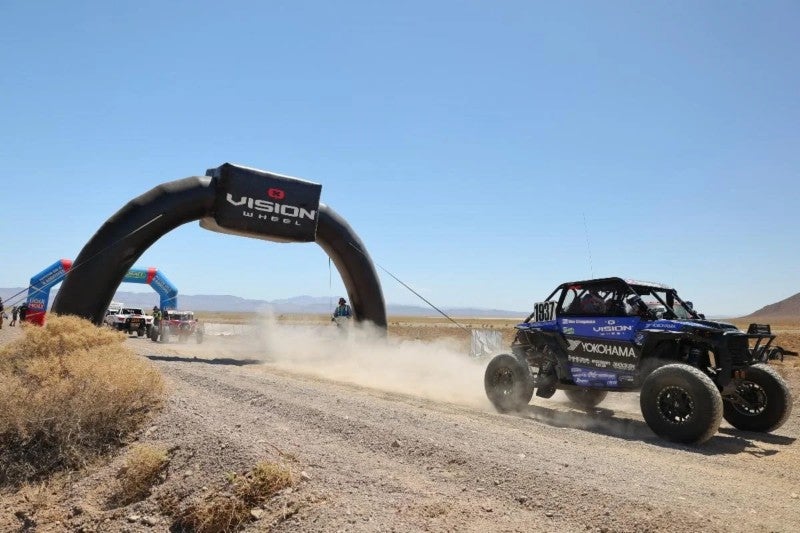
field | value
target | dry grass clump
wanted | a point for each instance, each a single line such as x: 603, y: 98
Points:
x: 229, y: 509
x: 145, y: 466
x: 69, y: 392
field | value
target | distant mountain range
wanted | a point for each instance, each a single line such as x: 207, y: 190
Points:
x: 789, y: 307
x: 294, y: 305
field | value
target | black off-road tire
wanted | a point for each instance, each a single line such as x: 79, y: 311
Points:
x: 586, y: 398
x: 680, y: 403
x: 508, y: 383
x: 775, y: 354
x: 769, y: 397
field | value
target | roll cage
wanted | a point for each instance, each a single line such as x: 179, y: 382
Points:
x: 178, y: 315
x: 620, y: 297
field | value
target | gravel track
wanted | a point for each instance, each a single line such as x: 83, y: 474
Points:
x: 388, y: 461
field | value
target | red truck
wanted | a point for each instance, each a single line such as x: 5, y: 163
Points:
x: 180, y: 324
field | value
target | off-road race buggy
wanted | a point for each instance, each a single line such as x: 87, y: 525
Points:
x: 179, y: 324
x: 130, y: 320
x: 591, y: 337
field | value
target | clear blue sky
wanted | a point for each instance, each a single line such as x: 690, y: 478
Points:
x: 465, y: 141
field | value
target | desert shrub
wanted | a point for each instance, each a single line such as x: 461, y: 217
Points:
x: 229, y: 508
x: 143, y: 468
x: 69, y: 392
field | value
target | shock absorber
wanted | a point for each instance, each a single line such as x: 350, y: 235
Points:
x: 695, y: 354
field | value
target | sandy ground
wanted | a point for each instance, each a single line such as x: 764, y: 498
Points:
x: 396, y: 435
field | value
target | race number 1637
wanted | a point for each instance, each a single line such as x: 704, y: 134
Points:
x: 544, y: 311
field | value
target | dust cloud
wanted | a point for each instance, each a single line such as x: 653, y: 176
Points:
x: 437, y: 370
x: 362, y: 354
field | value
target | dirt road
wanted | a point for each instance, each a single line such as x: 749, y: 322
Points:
x: 398, y: 436
x: 382, y: 461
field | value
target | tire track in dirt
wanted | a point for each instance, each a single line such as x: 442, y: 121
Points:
x: 451, y: 462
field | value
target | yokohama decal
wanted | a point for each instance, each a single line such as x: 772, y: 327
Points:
x: 601, y: 348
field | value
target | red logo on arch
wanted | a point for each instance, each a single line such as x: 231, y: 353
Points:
x: 276, y: 194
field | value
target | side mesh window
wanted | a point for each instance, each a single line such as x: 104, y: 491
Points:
x: 570, y: 304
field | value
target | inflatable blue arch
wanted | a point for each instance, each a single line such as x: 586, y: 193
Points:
x: 41, y: 283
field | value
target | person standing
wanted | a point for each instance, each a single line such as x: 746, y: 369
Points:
x: 2, y: 313
x: 342, y: 311
x: 14, y: 313
x: 23, y: 311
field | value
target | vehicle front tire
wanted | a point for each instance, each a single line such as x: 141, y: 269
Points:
x: 680, y: 403
x: 769, y: 401
x: 508, y: 383
x: 586, y: 398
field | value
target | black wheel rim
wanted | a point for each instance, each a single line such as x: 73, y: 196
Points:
x: 754, y: 399
x: 503, y: 380
x: 675, y: 405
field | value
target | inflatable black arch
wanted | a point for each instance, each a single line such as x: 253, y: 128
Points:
x: 231, y: 199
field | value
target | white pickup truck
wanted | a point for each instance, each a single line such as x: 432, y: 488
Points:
x: 131, y: 320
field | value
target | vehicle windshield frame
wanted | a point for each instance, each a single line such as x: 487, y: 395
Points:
x: 669, y: 299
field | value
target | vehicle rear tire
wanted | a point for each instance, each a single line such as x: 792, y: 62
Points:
x: 586, y: 398
x: 508, y: 383
x: 680, y: 403
x: 775, y: 354
x: 769, y: 401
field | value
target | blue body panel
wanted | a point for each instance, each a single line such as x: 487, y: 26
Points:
x: 616, y: 328
x: 550, y: 325
x: 604, y: 352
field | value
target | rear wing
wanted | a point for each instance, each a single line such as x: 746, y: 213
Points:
x: 759, y: 329
x: 760, y: 332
